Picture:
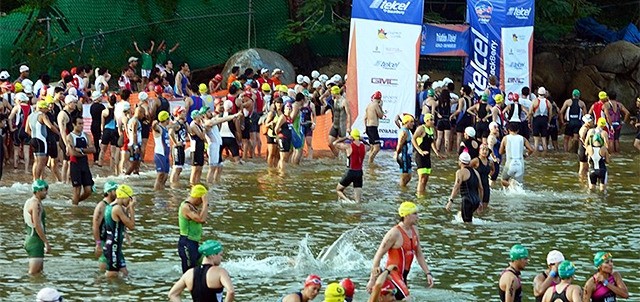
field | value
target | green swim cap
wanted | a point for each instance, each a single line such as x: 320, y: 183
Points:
x: 566, y: 269
x: 39, y: 185
x: 484, y: 97
x: 203, y: 110
x: 109, y: 186
x: 194, y: 114
x: 576, y: 92
x: 210, y: 247
x: 517, y: 252
x: 431, y: 92
x: 600, y: 257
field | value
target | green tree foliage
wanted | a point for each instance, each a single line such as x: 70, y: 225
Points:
x: 315, y: 17
x: 557, y: 18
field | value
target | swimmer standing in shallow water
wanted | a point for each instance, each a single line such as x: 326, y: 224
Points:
x: 355, y: 151
x: 513, y: 146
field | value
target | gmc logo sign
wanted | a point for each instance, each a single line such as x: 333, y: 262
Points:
x: 386, y: 82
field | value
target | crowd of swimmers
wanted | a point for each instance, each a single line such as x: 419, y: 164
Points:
x: 489, y: 132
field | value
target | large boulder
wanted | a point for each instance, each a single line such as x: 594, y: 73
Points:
x: 334, y: 67
x: 549, y: 72
x: 258, y: 58
x: 617, y: 57
x: 635, y: 75
x: 589, y: 81
x: 626, y: 89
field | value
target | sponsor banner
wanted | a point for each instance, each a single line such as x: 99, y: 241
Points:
x: 486, y: 18
x: 398, y: 11
x: 517, y: 45
x: 520, y: 13
x: 384, y: 59
x: 444, y: 40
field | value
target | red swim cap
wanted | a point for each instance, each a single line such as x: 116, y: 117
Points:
x: 64, y: 74
x: 218, y: 78
x: 349, y: 287
x: 313, y: 280
x: 376, y: 95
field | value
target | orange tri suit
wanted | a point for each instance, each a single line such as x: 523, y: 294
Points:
x: 402, y: 257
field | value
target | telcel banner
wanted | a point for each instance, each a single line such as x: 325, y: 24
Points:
x: 501, y: 43
x: 384, y: 49
x: 445, y: 40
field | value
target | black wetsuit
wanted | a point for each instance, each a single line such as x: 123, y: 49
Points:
x: 517, y: 297
x: 469, y: 193
x: 200, y: 291
x: 484, y: 171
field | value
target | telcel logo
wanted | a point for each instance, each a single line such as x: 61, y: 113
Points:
x: 386, y: 82
x: 519, y: 12
x: 389, y: 7
x: 388, y: 65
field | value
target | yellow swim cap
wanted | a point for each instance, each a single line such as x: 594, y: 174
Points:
x: 334, y: 293
x: 42, y: 104
x: 407, y: 208
x: 602, y: 95
x: 428, y: 116
x: 283, y: 89
x: 163, y: 116
x: 266, y: 87
x: 18, y: 87
x: 499, y: 98
x: 407, y: 118
x: 202, y: 88
x: 602, y: 122
x: 49, y: 99
x: 124, y: 191
x: 355, y: 133
x: 335, y: 89
x: 198, y: 191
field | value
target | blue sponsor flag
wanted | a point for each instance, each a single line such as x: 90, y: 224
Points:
x: 397, y: 11
x: 445, y: 40
x: 486, y: 18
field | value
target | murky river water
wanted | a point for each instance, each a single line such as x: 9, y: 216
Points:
x: 273, y: 228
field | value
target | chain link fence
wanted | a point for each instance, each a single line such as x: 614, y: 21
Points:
x: 101, y: 33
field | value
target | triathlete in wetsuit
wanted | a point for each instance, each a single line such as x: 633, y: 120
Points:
x: 510, y: 284
x: 355, y: 156
x: 208, y: 281
x: 96, y: 110
x: 564, y: 291
x: 549, y: 277
x: 118, y: 215
x: 110, y: 135
x: 178, y: 136
x: 404, y: 149
x: 36, y: 243
x: 190, y: 220
x: 468, y: 184
x: 401, y: 244
x: 98, y: 226
x: 481, y: 111
x: 312, y: 286
x: 424, y: 142
x: 80, y: 173
x: 605, y: 285
x: 485, y: 168
x: 571, y: 115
